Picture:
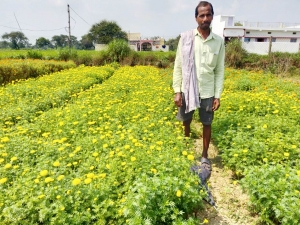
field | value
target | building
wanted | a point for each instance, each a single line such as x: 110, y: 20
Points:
x: 256, y: 36
x: 136, y: 43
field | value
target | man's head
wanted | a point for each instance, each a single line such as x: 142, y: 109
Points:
x: 204, y: 13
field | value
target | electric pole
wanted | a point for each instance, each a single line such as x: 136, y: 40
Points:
x: 69, y: 27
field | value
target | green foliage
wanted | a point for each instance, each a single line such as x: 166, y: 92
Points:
x: 117, y: 50
x: 15, y: 69
x: 17, y: 39
x: 105, y: 32
x: 34, y: 54
x: 256, y: 128
x: 67, y: 54
x: 235, y: 53
x: 173, y: 43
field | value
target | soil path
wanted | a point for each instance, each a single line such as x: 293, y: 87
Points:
x: 232, y: 202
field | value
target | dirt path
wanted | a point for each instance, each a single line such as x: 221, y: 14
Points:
x: 231, y: 201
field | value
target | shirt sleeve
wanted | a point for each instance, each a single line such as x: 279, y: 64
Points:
x: 177, y: 73
x: 219, y: 72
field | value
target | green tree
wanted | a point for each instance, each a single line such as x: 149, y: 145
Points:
x: 17, y: 39
x: 105, y: 32
x: 60, y: 41
x: 42, y: 42
x: 4, y: 44
x: 86, y: 42
x: 173, y: 43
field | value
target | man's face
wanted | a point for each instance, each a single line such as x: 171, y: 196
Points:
x: 204, y: 17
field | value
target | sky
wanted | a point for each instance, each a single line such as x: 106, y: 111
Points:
x: 163, y: 18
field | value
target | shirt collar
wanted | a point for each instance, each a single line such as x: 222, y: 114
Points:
x: 210, y: 36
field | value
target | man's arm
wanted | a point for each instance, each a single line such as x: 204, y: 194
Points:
x: 219, y: 77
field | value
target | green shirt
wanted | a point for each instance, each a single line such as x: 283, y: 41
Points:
x: 209, y: 62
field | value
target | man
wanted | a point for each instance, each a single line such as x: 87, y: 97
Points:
x: 198, y: 78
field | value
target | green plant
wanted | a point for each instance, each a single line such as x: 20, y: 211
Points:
x: 32, y: 54
x: 235, y: 53
x: 67, y: 54
x: 118, y: 49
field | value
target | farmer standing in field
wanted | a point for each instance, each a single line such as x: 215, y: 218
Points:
x: 198, y: 78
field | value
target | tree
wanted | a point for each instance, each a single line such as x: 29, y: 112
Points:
x: 105, y: 32
x: 86, y: 42
x: 17, y: 39
x: 173, y: 43
x: 42, y: 42
x: 4, y: 44
x: 60, y: 41
x: 238, y: 24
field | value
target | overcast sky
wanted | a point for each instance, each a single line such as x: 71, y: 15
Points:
x: 165, y: 18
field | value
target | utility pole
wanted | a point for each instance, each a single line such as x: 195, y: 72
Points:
x: 69, y: 27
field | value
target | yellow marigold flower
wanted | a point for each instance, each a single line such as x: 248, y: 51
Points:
x: 90, y: 175
x: 92, y: 167
x: 276, y: 111
x: 56, y: 164
x: 3, y: 180
x: 44, y: 173
x: 102, y: 175
x: 153, y: 170
x: 87, y: 180
x: 123, y: 163
x: 265, y: 126
x: 94, y: 141
x: 178, y: 193
x: 36, y: 181
x: 245, y: 150
x: 286, y: 154
x: 76, y: 181
x: 4, y: 139
x: 60, y: 177
x: 236, y: 155
x: 4, y: 154
x: 7, y: 166
x: 133, y: 159
x: 248, y: 126
x: 105, y: 145
x: 265, y: 159
x: 1, y: 160
x: 49, y: 179
x: 62, y: 208
x: 293, y: 146
x: 235, y: 182
x: 58, y: 197
x: 107, y: 166
x: 184, y: 153
x: 95, y: 154
x: 127, y: 146
x: 190, y: 157
x: 41, y: 196
x: 205, y: 221
x: 298, y: 173
x: 14, y: 158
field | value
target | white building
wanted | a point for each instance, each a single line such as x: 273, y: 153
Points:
x: 256, y: 37
x: 136, y: 43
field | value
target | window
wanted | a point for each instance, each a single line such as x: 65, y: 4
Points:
x: 273, y: 39
x: 293, y: 39
x: 260, y: 39
x: 269, y: 32
x: 247, y: 39
x: 294, y: 33
x: 247, y: 32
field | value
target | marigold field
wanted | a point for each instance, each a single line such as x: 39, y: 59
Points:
x: 101, y: 145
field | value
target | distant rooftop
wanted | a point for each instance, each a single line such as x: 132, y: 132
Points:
x: 269, y: 24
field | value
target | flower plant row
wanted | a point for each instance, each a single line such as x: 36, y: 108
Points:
x: 113, y: 155
x: 257, y: 129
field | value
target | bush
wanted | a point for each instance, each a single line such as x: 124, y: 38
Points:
x: 235, y: 54
x: 67, y: 54
x: 118, y: 50
x: 31, y: 54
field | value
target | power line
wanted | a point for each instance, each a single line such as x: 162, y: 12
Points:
x: 18, y: 23
x: 79, y: 16
x: 32, y: 30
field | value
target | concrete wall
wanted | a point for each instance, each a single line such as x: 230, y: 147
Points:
x: 100, y: 47
x: 262, y: 48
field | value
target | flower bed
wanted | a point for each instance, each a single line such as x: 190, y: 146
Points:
x: 112, y: 156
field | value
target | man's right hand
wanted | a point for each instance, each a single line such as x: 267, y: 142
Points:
x: 178, y: 99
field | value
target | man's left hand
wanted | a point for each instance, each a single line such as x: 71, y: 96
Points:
x: 216, y: 104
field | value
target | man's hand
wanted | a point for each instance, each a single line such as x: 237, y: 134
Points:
x: 216, y: 104
x: 178, y: 99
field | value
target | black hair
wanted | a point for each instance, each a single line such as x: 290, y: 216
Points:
x: 204, y: 3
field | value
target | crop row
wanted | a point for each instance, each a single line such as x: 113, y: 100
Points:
x: 258, y: 131
x: 112, y: 156
x: 29, y: 98
x: 16, y: 69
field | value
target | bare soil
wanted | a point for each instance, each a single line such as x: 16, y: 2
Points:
x: 232, y: 203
